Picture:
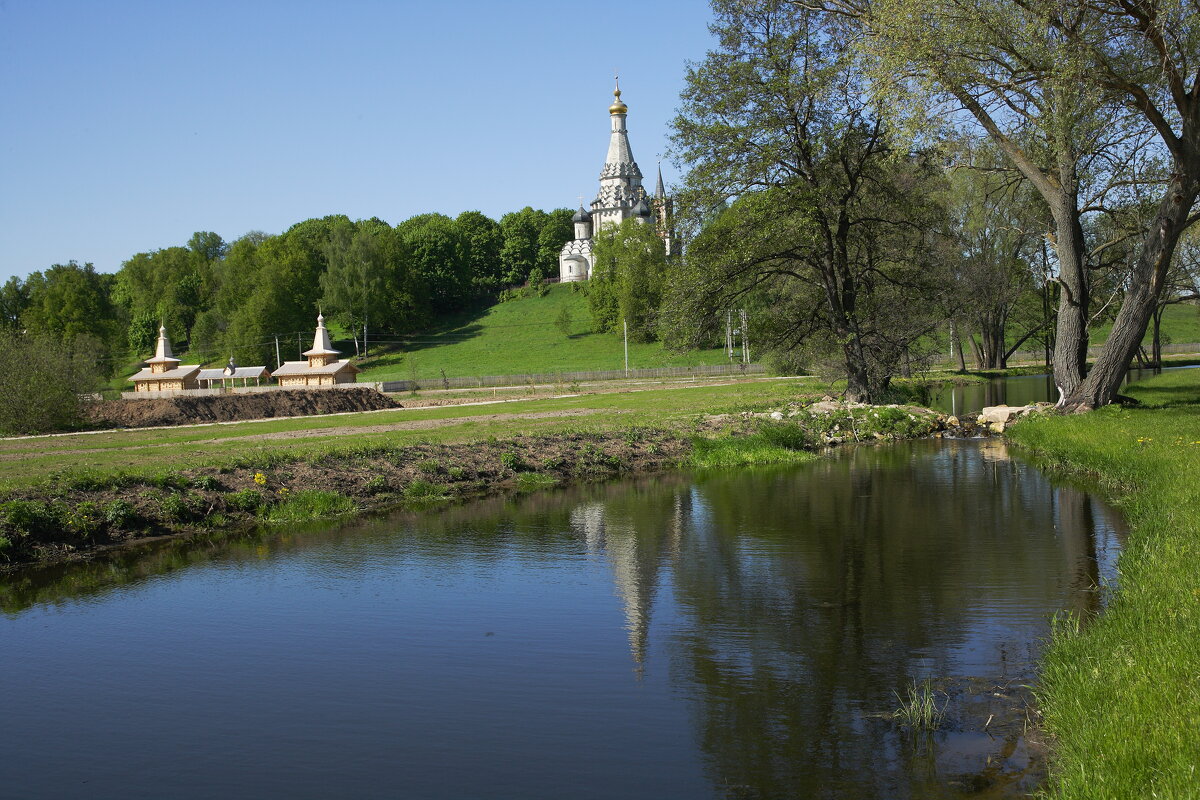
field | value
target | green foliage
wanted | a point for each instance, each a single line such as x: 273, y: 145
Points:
x: 776, y: 116
x: 41, y: 380
x: 788, y: 435
x: 119, y: 514
x: 356, y: 284
x: 178, y: 507
x: 534, y: 481
x: 32, y: 517
x: 84, y: 519
x: 309, y: 504
x: 456, y: 473
x: 244, y: 500
x: 519, y: 250
x: 440, y: 278
x: 377, y: 485
x: 481, y: 240
x: 919, y: 708
x: 208, y: 483
x: 627, y: 280
x: 563, y: 321
x: 430, y: 467
x: 70, y: 302
x: 726, y: 452
x: 423, y: 490
x: 512, y: 462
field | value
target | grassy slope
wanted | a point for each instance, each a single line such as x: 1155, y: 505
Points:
x: 29, y: 461
x: 520, y: 336
x: 1121, y: 697
x: 1181, y: 324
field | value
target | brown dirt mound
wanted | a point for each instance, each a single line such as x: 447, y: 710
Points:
x: 233, y: 407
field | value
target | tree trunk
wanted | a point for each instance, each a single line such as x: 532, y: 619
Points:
x: 977, y: 351
x: 1157, y: 341
x: 1146, y: 284
x: 1071, y: 331
x: 956, y: 343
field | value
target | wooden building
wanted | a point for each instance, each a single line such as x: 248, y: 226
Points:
x: 323, y: 367
x: 163, y: 373
x: 227, y: 377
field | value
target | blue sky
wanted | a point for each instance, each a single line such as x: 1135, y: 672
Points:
x: 126, y: 126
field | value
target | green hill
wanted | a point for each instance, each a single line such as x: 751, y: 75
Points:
x: 520, y: 336
x: 1180, y: 325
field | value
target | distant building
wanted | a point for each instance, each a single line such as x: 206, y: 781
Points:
x: 229, y: 375
x: 323, y: 368
x: 621, y: 197
x: 163, y: 373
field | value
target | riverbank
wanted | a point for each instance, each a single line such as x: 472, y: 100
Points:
x: 72, y: 513
x: 1119, y: 692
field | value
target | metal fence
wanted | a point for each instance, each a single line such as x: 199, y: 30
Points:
x: 1039, y: 356
x: 550, y: 378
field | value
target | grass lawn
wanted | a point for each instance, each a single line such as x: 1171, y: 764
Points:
x: 521, y: 336
x: 24, y: 462
x: 1121, y: 694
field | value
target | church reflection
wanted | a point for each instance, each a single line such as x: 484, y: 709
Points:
x: 805, y: 599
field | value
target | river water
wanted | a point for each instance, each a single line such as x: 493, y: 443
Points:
x: 1021, y: 390
x: 733, y: 635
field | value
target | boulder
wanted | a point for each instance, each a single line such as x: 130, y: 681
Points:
x: 1002, y: 414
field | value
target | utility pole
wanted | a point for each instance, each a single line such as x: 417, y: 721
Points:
x: 625, y: 325
x: 729, y: 335
x: 278, y: 360
x: 745, y: 339
x: 299, y: 345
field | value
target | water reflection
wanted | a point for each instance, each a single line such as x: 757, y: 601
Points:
x: 1021, y: 390
x: 763, y: 621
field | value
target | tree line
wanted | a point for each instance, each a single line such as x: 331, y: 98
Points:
x: 870, y: 177
x: 221, y: 298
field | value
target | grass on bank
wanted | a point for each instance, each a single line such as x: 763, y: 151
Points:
x: 1122, y: 695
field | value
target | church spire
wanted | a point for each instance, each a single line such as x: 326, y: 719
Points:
x: 660, y: 193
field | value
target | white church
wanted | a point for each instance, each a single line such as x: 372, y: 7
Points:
x: 621, y: 197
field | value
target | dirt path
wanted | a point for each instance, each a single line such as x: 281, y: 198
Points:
x: 347, y: 430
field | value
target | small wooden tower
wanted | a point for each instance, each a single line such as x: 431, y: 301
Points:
x: 163, y: 373
x: 323, y: 367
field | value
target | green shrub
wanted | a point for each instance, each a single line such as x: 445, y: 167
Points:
x: 119, y: 513
x: 176, y: 507
x: 31, y: 516
x: 84, y: 519
x: 377, y: 485
x: 42, y: 378
x: 553, y: 463
x: 430, y: 467
x: 208, y: 483
x: 244, y: 500
x: 788, y: 435
x: 511, y: 461
x: 456, y: 473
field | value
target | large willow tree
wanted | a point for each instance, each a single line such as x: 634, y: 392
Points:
x: 824, y: 224
x: 1066, y: 89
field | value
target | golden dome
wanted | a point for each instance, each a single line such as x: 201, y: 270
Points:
x: 618, y: 107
